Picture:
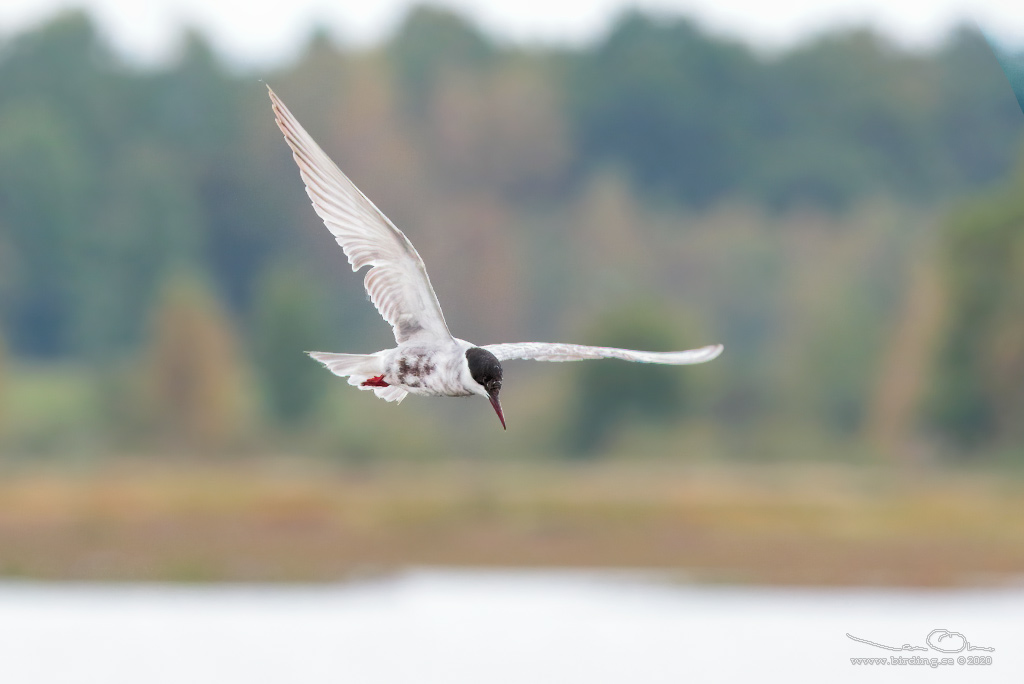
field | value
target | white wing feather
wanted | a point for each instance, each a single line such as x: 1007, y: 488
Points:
x: 547, y: 351
x: 397, y: 281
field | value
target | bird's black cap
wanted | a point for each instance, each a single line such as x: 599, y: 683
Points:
x: 485, y: 369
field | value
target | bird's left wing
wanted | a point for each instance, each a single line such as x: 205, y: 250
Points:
x: 547, y: 351
x: 397, y: 281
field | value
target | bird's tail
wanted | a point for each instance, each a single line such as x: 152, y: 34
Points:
x: 359, y: 368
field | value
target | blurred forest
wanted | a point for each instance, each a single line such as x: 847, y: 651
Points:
x: 847, y: 217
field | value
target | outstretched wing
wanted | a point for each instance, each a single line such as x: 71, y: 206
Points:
x: 547, y: 351
x: 397, y: 281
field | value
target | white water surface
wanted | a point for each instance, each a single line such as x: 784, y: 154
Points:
x: 475, y: 627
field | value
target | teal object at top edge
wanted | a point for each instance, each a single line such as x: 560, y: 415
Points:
x: 1013, y: 66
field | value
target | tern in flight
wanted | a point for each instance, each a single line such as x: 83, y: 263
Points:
x: 428, y: 360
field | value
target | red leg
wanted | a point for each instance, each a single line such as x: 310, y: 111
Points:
x: 375, y: 382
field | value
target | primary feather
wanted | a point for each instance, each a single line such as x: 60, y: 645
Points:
x: 397, y: 281
x: 551, y: 351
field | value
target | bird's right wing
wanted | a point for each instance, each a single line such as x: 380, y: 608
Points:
x: 547, y: 351
x: 397, y: 281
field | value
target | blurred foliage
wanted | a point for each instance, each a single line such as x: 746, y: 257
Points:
x: 671, y: 103
x: 610, y: 393
x: 193, y: 369
x: 3, y: 386
x: 978, y: 398
x: 288, y: 324
x: 430, y: 42
x: 44, y: 184
x: 846, y: 116
x: 771, y: 202
x: 52, y: 411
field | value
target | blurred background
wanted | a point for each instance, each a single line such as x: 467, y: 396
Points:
x: 844, y: 212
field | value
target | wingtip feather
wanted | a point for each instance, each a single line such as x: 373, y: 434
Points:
x: 397, y: 281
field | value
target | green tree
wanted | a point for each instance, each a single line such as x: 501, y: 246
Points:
x: 3, y: 384
x: 975, y: 118
x: 670, y: 103
x: 66, y: 67
x: 610, y: 393
x: 430, y: 42
x: 44, y: 189
x: 151, y: 224
x: 288, y: 323
x: 842, y: 118
x: 206, y: 115
x: 977, y: 399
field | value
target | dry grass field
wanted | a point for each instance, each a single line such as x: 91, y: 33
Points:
x: 296, y: 520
